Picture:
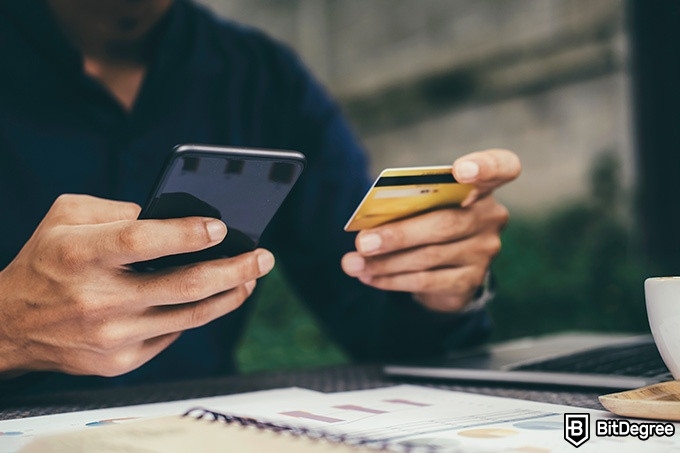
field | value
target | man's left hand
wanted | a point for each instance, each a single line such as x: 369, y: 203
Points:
x: 441, y: 257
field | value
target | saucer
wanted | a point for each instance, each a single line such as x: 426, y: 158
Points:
x: 658, y: 401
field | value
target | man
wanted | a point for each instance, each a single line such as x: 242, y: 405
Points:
x: 93, y: 96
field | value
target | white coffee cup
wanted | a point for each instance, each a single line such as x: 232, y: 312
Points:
x: 662, y: 296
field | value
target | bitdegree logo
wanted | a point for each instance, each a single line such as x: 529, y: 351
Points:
x: 577, y: 428
x: 642, y: 430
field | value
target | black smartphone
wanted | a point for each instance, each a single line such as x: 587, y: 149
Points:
x: 242, y: 187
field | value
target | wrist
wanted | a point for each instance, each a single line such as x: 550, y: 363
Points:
x: 457, y: 304
x: 13, y: 358
x: 11, y: 364
x: 482, y: 296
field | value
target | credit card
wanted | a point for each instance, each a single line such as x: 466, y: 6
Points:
x: 398, y: 193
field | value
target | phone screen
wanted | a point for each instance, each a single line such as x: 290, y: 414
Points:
x: 242, y: 187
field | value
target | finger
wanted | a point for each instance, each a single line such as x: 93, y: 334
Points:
x: 436, y: 227
x: 457, y: 280
x: 478, y: 250
x: 429, y: 228
x: 115, y: 336
x: 199, y: 281
x: 130, y: 241
x: 71, y: 209
x: 176, y: 318
x: 487, y: 170
x: 158, y: 322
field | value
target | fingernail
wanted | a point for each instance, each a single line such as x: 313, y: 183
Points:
x: 216, y: 230
x: 354, y: 264
x: 467, y: 171
x: 265, y: 261
x: 250, y: 286
x: 370, y: 243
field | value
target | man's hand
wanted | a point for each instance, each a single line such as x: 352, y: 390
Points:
x: 441, y: 256
x: 70, y: 303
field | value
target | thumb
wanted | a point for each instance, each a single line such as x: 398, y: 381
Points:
x: 487, y: 170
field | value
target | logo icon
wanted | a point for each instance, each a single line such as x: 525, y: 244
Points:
x: 576, y: 429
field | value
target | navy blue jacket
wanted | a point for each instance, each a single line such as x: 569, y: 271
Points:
x: 213, y: 82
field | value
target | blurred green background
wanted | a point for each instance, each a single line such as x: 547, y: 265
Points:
x: 577, y: 267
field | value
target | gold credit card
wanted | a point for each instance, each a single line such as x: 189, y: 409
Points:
x: 402, y: 192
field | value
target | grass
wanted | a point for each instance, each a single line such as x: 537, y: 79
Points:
x: 283, y: 334
x: 576, y: 270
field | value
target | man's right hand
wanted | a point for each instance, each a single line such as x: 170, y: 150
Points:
x: 70, y: 303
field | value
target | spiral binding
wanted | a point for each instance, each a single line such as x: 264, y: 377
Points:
x: 201, y: 413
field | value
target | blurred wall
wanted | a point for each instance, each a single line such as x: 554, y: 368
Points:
x: 425, y: 81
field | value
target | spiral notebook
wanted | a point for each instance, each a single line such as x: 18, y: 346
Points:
x: 201, y: 430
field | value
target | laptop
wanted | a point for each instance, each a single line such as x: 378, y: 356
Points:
x: 565, y: 359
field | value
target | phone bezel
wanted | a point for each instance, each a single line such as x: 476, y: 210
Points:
x: 191, y: 150
x: 180, y: 151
